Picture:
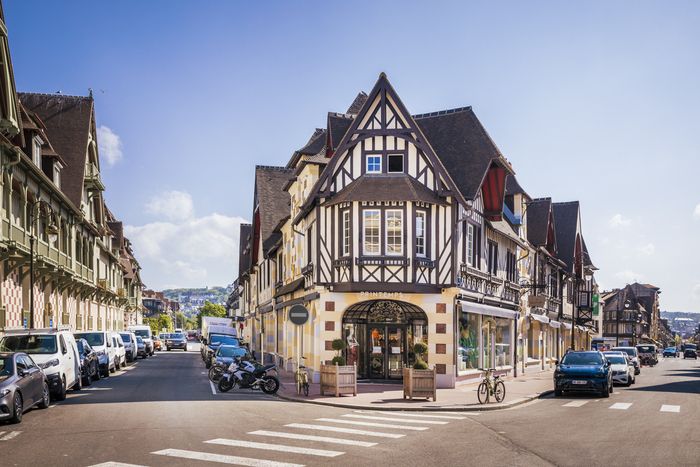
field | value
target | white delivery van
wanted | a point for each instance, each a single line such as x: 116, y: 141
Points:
x: 144, y: 332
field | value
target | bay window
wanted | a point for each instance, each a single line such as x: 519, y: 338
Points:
x: 371, y: 231
x: 394, y: 232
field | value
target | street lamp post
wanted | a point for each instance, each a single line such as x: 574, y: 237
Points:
x: 52, y: 231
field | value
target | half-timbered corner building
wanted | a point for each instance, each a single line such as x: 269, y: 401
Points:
x: 390, y: 228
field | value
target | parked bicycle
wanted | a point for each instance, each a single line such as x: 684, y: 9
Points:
x: 301, y: 377
x: 490, y: 386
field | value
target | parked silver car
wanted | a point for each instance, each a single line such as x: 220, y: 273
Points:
x: 622, y: 368
x: 22, y: 386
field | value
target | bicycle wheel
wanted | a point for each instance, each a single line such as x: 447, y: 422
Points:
x: 482, y: 393
x: 499, y: 391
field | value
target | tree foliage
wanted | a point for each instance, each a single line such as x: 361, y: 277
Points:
x: 210, y: 309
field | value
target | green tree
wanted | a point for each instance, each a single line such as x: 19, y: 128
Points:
x: 165, y: 322
x: 210, y: 309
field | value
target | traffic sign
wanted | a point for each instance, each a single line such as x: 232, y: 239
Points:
x: 298, y: 314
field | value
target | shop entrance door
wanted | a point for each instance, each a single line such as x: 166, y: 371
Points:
x: 387, y: 350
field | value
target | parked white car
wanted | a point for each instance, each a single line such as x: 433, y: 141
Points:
x: 103, y: 344
x: 54, y: 351
x: 119, y: 350
x: 622, y: 368
x: 129, y: 339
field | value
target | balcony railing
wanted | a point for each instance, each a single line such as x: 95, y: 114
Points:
x: 382, y: 261
x: 481, y: 282
x: 92, y: 177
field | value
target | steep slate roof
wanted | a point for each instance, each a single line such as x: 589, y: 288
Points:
x: 244, y: 248
x: 67, y: 120
x: 357, y: 104
x: 273, y: 201
x: 513, y: 187
x: 463, y: 146
x: 315, y: 144
x: 565, y: 224
x: 338, y: 125
x: 387, y: 187
x: 538, y: 220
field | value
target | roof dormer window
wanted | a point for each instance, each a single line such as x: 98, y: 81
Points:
x: 57, y: 174
x: 36, y: 151
x: 374, y: 164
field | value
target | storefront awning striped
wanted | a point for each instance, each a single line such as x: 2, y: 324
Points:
x: 481, y: 309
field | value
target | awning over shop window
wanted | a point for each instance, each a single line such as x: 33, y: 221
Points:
x: 480, y: 309
x: 540, y: 318
x: 554, y: 324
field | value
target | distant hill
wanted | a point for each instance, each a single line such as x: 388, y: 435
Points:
x: 191, y: 299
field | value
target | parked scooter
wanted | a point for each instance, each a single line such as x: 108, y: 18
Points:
x: 247, y: 375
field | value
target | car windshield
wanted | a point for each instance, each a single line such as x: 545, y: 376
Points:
x: 223, y: 339
x: 691, y: 347
x: 79, y: 344
x: 177, y: 336
x: 616, y: 359
x: 6, y: 366
x: 670, y: 349
x: 628, y: 351
x: 230, y: 351
x: 645, y: 348
x: 33, y: 344
x: 126, y: 337
x: 92, y: 338
x: 142, y: 332
x: 584, y: 358
x: 139, y: 340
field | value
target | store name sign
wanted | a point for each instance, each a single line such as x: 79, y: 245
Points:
x: 382, y: 294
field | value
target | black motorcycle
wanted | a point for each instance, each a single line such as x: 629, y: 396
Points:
x: 248, y: 375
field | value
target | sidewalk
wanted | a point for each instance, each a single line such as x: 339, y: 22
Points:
x: 375, y: 396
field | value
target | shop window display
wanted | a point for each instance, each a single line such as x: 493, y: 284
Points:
x: 503, y: 342
x: 468, y: 348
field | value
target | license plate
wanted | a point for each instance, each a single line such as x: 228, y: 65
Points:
x: 578, y: 381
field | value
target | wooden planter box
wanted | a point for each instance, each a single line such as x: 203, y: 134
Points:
x: 419, y: 383
x: 338, y: 380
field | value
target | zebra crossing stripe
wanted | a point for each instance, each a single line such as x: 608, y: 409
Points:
x: 116, y: 464
x: 575, y: 404
x: 670, y: 408
x: 323, y: 439
x: 275, y: 447
x: 349, y: 431
x: 222, y: 459
x: 377, y: 425
x: 391, y: 419
x: 621, y: 405
x: 10, y: 435
x: 411, y: 415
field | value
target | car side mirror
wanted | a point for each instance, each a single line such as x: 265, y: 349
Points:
x: 607, y: 364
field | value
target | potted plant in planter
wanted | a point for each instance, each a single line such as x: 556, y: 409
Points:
x: 419, y: 381
x: 338, y: 378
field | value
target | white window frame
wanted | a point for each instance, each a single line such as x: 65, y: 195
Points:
x: 387, y: 214
x: 36, y: 151
x: 372, y: 156
x: 57, y: 174
x: 470, y: 244
x: 421, y: 249
x: 365, y: 214
x: 346, y: 233
x: 388, y: 165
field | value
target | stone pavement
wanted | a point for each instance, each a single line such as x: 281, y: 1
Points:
x: 377, y: 396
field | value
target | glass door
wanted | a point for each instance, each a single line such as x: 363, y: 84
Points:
x: 377, y: 351
x: 395, y: 351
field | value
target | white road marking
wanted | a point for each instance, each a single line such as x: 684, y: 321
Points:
x: 275, y: 447
x: 213, y: 389
x: 323, y: 439
x: 405, y: 414
x: 377, y: 425
x: 391, y: 419
x: 10, y: 435
x: 349, y: 431
x: 116, y: 464
x: 97, y: 389
x: 576, y: 404
x: 621, y: 405
x: 235, y: 460
x: 670, y: 408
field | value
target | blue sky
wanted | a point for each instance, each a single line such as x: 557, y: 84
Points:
x: 593, y: 101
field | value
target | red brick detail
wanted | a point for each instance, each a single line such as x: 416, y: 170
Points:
x: 441, y: 308
x: 441, y: 328
x: 330, y: 325
x: 441, y: 348
x: 329, y: 345
x: 440, y: 368
x: 330, y: 306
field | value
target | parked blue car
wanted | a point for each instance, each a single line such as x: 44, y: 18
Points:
x: 583, y: 372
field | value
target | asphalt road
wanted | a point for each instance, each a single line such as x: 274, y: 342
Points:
x: 163, y: 411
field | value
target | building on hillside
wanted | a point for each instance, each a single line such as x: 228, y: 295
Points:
x: 394, y: 228
x: 54, y: 219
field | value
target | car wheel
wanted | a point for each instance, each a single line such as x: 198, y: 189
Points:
x: 168, y: 349
x: 61, y: 394
x: 78, y: 385
x: 45, y: 397
x: 96, y: 375
x: 558, y: 393
x: 17, y: 408
x: 86, y: 380
x: 105, y: 372
x: 612, y: 388
x: 606, y: 392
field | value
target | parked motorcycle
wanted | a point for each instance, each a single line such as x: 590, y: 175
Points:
x: 247, y: 375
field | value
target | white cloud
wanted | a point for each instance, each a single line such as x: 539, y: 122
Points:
x: 618, y: 221
x: 696, y: 213
x: 189, y: 252
x: 172, y: 205
x: 110, y: 145
x: 628, y: 276
x: 647, y: 249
